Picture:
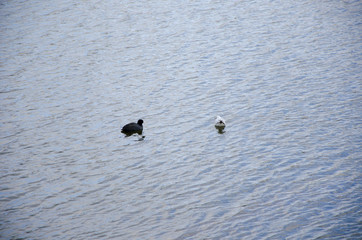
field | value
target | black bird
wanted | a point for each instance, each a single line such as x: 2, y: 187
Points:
x: 132, y: 128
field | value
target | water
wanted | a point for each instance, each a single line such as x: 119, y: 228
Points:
x: 285, y: 75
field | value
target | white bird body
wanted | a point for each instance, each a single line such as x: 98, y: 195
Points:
x: 219, y: 122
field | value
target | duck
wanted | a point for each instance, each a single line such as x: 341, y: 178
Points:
x: 132, y: 128
x: 219, y: 122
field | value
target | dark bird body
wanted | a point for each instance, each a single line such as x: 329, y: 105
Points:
x: 132, y: 128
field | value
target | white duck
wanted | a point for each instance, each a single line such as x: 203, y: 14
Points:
x: 219, y: 122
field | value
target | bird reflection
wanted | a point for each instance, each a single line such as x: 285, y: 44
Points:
x: 220, y: 130
x: 140, y: 137
x: 135, y: 136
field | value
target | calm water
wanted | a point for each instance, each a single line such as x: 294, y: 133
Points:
x: 286, y: 76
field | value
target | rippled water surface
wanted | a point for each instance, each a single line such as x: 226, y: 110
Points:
x: 285, y: 75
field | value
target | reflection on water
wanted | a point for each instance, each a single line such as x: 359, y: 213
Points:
x: 136, y: 136
x: 220, y: 129
x: 285, y: 75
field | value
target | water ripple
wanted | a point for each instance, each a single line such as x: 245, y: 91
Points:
x: 285, y: 76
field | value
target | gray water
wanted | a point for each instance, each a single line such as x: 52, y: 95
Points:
x: 285, y: 75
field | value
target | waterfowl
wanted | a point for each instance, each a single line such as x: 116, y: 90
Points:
x: 132, y: 128
x: 219, y: 122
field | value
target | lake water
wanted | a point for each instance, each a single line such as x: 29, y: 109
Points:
x: 285, y: 75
